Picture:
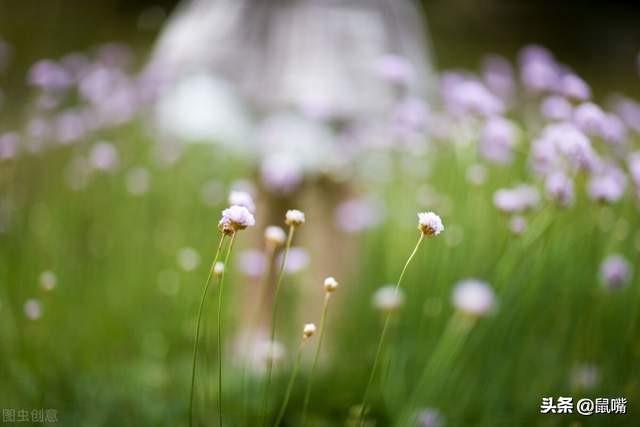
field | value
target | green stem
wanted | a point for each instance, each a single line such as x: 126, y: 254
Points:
x: 307, y: 394
x: 383, y: 334
x: 271, y: 250
x: 274, y: 310
x: 197, y: 331
x: 294, y: 374
x: 220, y: 299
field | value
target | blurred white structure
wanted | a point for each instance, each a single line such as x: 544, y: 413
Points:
x: 229, y: 66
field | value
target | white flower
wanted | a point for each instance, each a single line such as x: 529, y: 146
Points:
x: 473, y: 297
x: 188, y: 259
x: 308, y: 331
x: 242, y: 198
x: 33, y: 309
x: 430, y: 224
x: 294, y: 217
x: 236, y: 218
x: 388, y: 298
x: 48, y: 280
x: 330, y: 284
x: 218, y: 268
x: 275, y: 236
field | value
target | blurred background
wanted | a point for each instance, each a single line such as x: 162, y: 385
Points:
x: 112, y: 183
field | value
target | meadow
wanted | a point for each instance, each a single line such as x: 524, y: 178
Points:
x: 107, y: 234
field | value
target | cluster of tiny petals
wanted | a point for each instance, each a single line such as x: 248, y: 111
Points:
x: 294, y: 217
x: 275, y: 236
x: 330, y: 284
x: 308, y: 330
x: 430, y: 224
x: 236, y: 218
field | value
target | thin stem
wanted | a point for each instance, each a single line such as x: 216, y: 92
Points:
x: 294, y: 374
x: 197, y: 331
x: 220, y: 299
x: 383, y: 334
x: 307, y: 393
x: 274, y: 310
x: 271, y: 251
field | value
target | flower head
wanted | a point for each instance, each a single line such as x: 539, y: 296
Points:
x: 388, y: 298
x: 274, y: 236
x: 294, y: 217
x: 330, y: 284
x: 474, y: 297
x: 48, y: 280
x: 235, y: 218
x: 615, y: 271
x: 308, y: 330
x: 559, y: 188
x: 430, y: 224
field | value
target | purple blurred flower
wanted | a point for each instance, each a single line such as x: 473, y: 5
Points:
x: 534, y: 52
x: 555, y: 107
x: 358, y: 214
x: 589, y: 118
x: 70, y: 126
x: 570, y: 142
x: 629, y: 111
x: 411, y: 115
x: 297, y: 260
x: 607, y: 185
x: 497, y: 139
x: 559, y: 188
x: 281, y: 173
x: 9, y: 145
x: 430, y: 417
x: 517, y: 199
x: 613, y: 129
x: 497, y: 73
x: 33, y: 309
x: 463, y: 96
x: 49, y: 75
x: 252, y: 262
x: 572, y: 86
x: 103, y: 156
x: 539, y: 71
x: 517, y: 224
x: 615, y: 272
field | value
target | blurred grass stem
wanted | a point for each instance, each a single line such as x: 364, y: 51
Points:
x: 274, y: 311
x: 220, y: 301
x: 307, y: 394
x: 383, y: 334
x: 197, y: 331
